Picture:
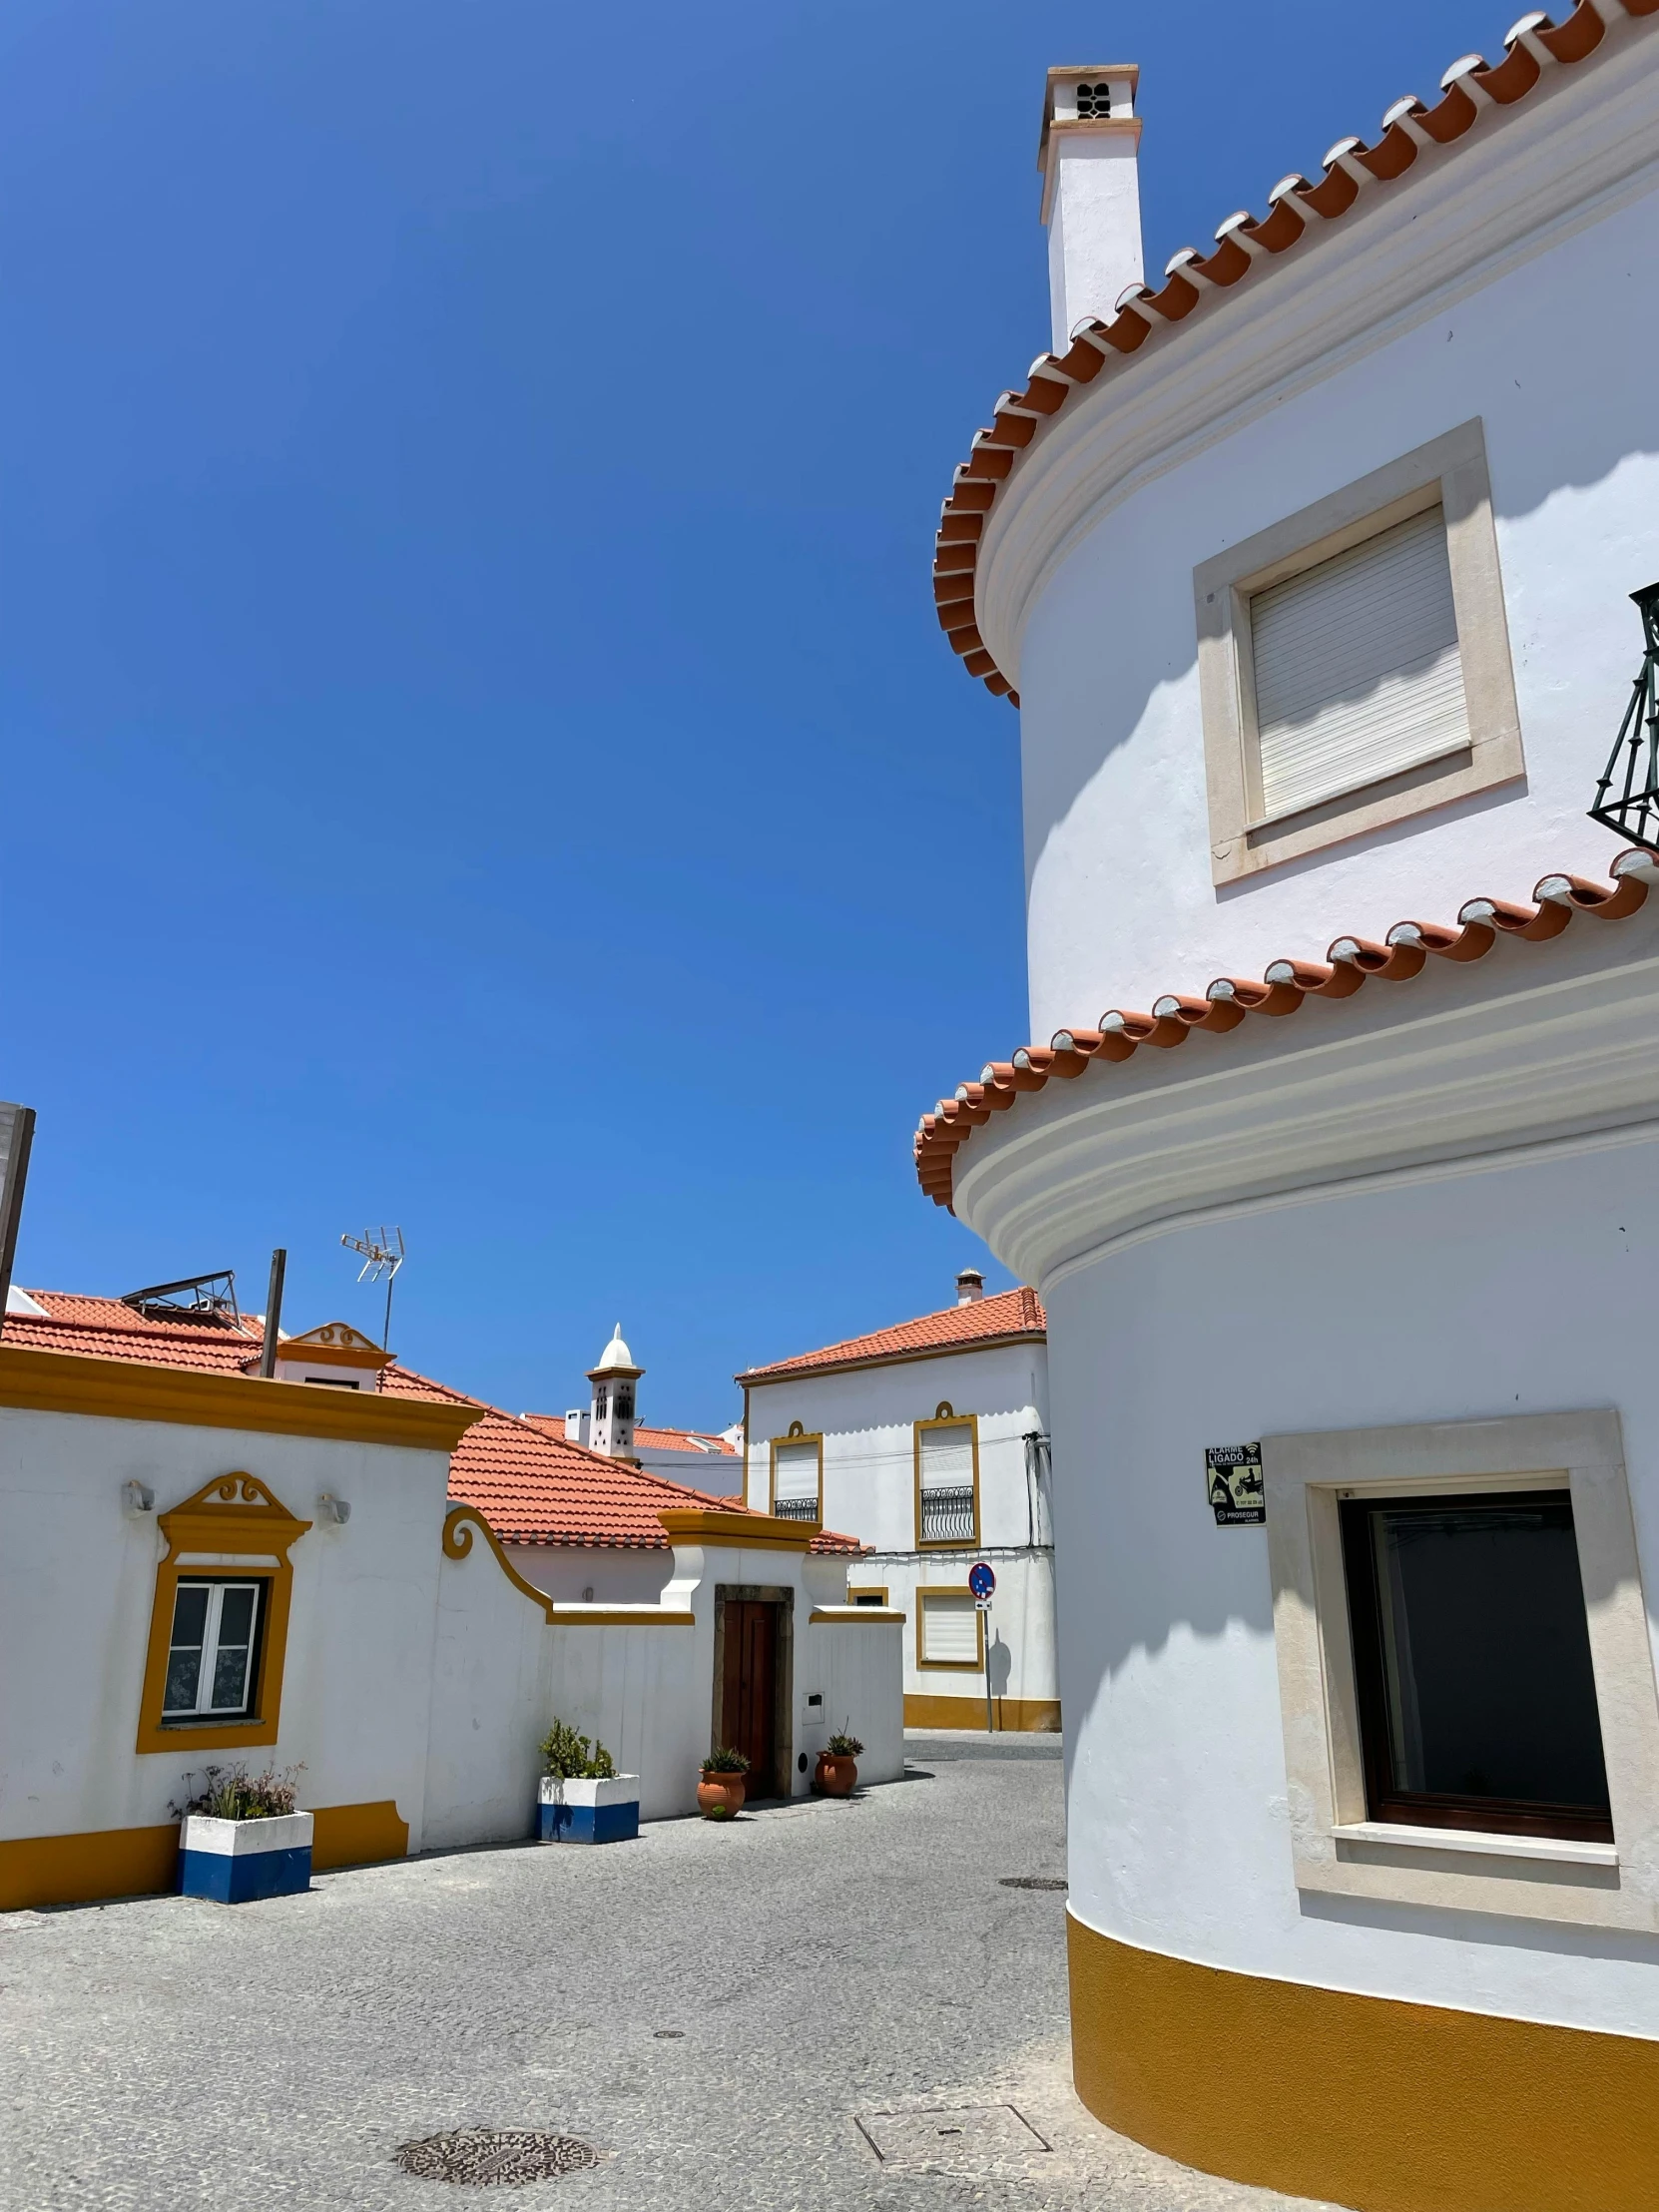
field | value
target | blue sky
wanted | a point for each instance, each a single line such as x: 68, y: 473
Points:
x: 478, y: 752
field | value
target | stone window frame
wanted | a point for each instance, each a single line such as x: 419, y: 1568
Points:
x: 1449, y: 472
x: 1336, y: 1849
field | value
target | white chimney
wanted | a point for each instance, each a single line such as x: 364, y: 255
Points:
x: 1089, y: 156
x: 576, y: 1424
x: 970, y: 1286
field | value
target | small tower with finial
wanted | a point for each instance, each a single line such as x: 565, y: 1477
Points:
x: 611, y: 1422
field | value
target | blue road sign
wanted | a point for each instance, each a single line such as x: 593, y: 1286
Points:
x: 981, y: 1581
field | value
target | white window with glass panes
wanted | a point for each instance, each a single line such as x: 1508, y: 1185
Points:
x: 213, y: 1653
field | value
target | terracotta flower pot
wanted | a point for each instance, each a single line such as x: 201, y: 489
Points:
x: 834, y: 1776
x: 720, y: 1796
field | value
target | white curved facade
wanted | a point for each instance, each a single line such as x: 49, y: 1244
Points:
x: 1420, y: 1219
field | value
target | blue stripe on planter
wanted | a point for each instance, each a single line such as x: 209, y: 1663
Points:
x: 589, y: 1823
x: 238, y: 1879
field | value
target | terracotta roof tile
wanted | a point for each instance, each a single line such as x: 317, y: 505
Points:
x: 648, y: 1439
x: 530, y: 1486
x: 1231, y: 1000
x: 1005, y: 1315
x: 1298, y: 209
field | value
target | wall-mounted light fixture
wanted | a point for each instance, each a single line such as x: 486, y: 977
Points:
x: 137, y: 1498
x: 335, y: 1509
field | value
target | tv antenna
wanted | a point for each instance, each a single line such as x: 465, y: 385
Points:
x: 383, y: 1256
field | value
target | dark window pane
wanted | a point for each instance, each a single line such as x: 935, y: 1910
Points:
x: 231, y: 1679
x: 236, y: 1616
x: 183, y: 1660
x: 1484, y: 1653
x: 190, y: 1613
x: 183, y: 1674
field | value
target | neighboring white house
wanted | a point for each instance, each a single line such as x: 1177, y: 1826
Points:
x: 1311, y: 569
x: 201, y: 1566
x: 929, y: 1442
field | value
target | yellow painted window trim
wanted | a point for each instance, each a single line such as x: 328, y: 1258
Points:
x: 948, y: 1666
x: 797, y: 1436
x: 233, y: 1516
x: 946, y: 1418
x: 859, y: 1592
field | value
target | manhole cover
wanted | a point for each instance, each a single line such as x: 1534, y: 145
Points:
x: 961, y: 2139
x: 495, y: 2157
x: 1031, y: 1881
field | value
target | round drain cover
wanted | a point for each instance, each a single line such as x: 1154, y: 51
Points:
x: 495, y: 2157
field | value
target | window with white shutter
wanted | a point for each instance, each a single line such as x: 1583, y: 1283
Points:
x: 950, y: 1629
x: 1357, y: 671
x: 1353, y: 664
x: 796, y: 1466
x: 947, y: 1503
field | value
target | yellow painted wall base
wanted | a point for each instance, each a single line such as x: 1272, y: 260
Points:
x: 1367, y: 2101
x: 144, y: 1861
x: 358, y: 1835
x: 78, y: 1869
x: 1018, y: 1715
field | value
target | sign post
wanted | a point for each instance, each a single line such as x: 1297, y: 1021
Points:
x: 982, y: 1581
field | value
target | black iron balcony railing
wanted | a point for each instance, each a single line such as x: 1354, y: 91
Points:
x: 948, y: 1517
x: 795, y: 1508
x: 1627, y: 798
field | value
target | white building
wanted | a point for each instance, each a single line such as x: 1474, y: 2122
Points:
x: 609, y: 1423
x: 201, y: 1566
x: 1311, y: 570
x: 929, y: 1442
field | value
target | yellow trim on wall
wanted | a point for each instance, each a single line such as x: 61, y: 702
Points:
x: 1369, y: 2101
x: 122, y: 1389
x: 620, y: 1617
x: 946, y: 1418
x: 1015, y: 1716
x: 836, y: 1615
x: 948, y: 1666
x: 78, y: 1869
x: 797, y: 1436
x: 687, y: 1524
x: 458, y: 1524
x: 234, y: 1515
x: 862, y: 1592
x: 357, y: 1834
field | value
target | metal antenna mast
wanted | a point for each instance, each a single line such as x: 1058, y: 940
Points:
x: 383, y: 1256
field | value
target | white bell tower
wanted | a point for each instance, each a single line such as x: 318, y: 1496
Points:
x: 611, y: 1420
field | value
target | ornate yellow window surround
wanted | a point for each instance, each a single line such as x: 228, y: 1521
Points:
x: 233, y: 1521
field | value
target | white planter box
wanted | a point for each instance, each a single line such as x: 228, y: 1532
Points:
x: 234, y: 1861
x: 589, y: 1812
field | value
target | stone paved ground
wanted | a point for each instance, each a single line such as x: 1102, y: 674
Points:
x: 711, y: 2007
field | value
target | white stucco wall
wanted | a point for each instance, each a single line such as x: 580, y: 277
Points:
x: 76, y: 1580
x: 1527, y: 1288
x: 1121, y: 906
x: 615, y: 1576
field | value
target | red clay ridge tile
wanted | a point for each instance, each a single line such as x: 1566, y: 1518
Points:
x: 1230, y: 999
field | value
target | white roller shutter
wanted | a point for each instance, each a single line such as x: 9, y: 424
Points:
x: 797, y: 1475
x: 947, y: 1458
x: 1358, y: 673
x: 950, y: 1630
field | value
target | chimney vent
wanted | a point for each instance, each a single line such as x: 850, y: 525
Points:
x: 1089, y: 155
x: 970, y: 1286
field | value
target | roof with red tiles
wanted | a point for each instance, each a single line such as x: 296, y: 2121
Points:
x: 649, y: 1440
x: 1231, y: 999
x: 1300, y: 214
x: 1006, y: 1317
x: 530, y: 1486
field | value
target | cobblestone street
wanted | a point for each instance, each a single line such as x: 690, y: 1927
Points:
x: 712, y: 2008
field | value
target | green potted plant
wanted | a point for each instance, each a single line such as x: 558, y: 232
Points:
x: 836, y: 1773
x: 720, y: 1794
x: 583, y: 1798
x: 241, y: 1837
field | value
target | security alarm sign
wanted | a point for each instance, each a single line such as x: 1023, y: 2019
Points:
x: 1233, y: 1477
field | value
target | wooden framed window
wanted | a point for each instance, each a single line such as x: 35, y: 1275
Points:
x: 1471, y: 1658
x: 950, y: 1631
x: 213, y: 1659
x: 796, y: 1480
x: 213, y: 1675
x: 1465, y: 1671
x: 1353, y: 660
x: 948, y: 1480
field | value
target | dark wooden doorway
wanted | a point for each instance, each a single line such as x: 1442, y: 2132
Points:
x: 748, y: 1689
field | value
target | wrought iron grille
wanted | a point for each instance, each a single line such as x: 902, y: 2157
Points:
x: 1632, y: 772
x: 948, y: 1517
x: 795, y: 1508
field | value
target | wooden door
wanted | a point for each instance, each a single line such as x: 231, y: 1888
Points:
x: 749, y: 1692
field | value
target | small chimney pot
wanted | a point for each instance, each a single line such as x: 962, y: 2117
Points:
x: 970, y: 1286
